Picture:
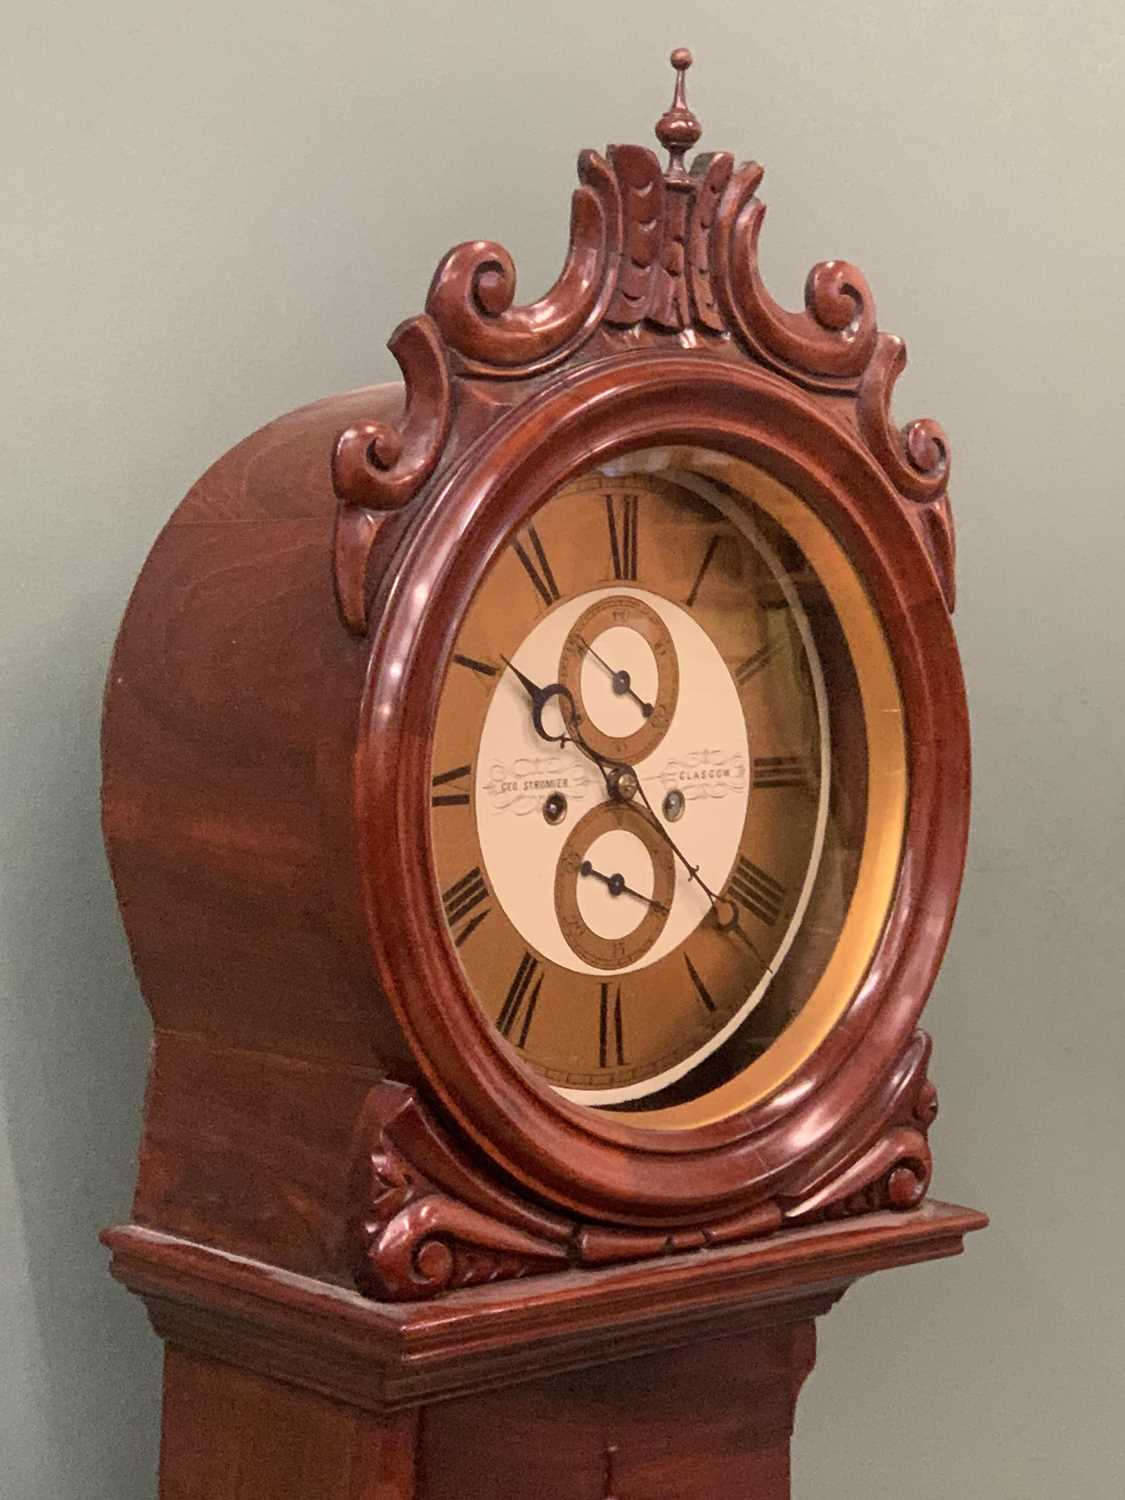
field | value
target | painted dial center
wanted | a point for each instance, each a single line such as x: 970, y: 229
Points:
x: 705, y: 737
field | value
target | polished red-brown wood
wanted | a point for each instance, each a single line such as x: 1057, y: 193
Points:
x: 382, y: 1355
x: 230, y: 1434
x: 675, y: 1377
x: 333, y: 1134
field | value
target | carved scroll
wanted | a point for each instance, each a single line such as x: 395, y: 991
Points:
x: 891, y: 1168
x: 380, y: 466
x: 915, y: 459
x: 654, y: 254
x: 430, y: 1243
x: 831, y: 340
x: 377, y: 468
x: 474, y: 287
x: 426, y: 1222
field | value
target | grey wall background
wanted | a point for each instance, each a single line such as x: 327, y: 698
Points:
x: 217, y: 212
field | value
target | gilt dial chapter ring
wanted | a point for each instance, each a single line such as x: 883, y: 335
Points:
x: 649, y: 899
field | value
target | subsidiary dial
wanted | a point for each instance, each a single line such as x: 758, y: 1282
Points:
x: 619, y: 666
x: 615, y: 882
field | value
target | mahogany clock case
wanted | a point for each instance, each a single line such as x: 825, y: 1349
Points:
x: 320, y: 1074
x: 590, y: 1163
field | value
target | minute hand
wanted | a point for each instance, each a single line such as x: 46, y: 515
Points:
x: 731, y: 923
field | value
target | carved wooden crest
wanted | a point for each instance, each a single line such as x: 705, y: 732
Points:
x: 658, y: 258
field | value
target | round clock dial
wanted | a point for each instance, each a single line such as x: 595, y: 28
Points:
x: 644, y: 840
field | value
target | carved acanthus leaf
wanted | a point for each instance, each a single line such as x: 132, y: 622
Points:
x: 640, y: 184
x: 712, y: 172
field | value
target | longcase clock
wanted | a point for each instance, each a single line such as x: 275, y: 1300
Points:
x: 537, y: 796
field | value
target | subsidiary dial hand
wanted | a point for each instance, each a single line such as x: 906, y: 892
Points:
x: 622, y: 683
x: 617, y: 886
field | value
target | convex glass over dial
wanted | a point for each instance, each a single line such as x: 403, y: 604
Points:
x: 634, y: 810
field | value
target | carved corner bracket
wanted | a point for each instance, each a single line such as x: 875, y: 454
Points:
x: 426, y: 1220
x: 886, y: 1160
x: 656, y: 255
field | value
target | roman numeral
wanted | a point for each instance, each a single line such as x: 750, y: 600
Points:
x: 700, y: 988
x: 758, y: 892
x: 703, y: 566
x: 611, y: 1038
x: 462, y: 898
x: 452, y: 798
x: 780, y: 770
x: 521, y: 1000
x: 623, y: 536
x: 538, y: 571
x: 482, y: 667
x: 754, y: 664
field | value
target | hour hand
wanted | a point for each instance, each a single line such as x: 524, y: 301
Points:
x: 532, y: 689
x: 540, y: 697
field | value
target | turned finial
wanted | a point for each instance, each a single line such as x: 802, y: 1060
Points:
x: 677, y: 130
